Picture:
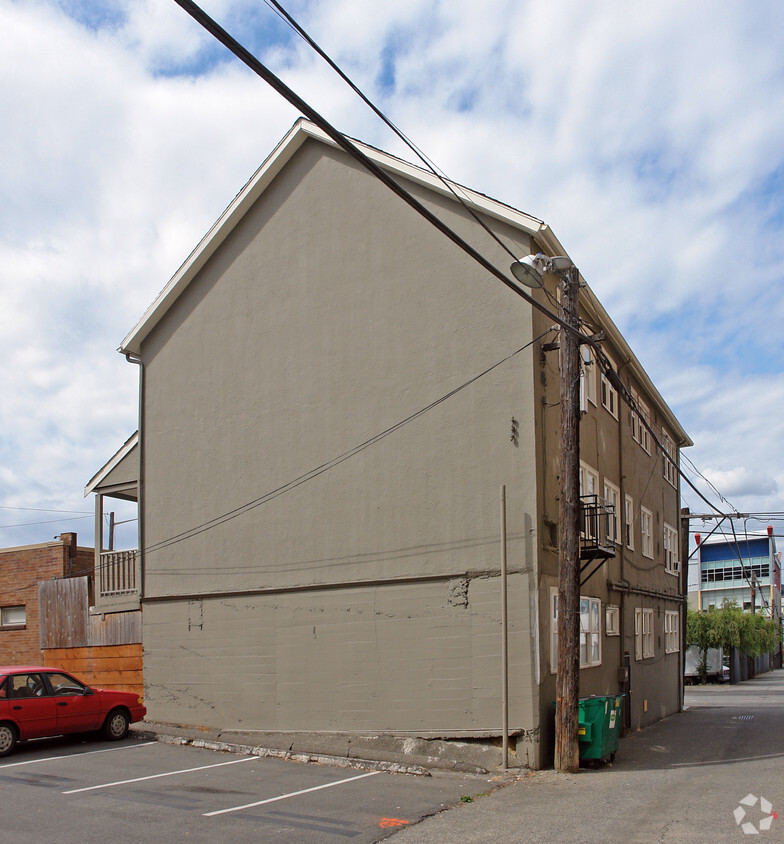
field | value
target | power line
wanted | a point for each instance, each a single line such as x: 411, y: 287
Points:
x: 332, y: 463
x: 437, y: 172
x: 48, y: 522
x: 42, y: 510
x: 201, y: 17
x: 348, y: 146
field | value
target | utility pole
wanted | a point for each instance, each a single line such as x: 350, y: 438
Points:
x: 530, y: 271
x: 567, y: 755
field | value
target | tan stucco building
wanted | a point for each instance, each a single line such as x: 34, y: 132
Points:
x: 320, y: 531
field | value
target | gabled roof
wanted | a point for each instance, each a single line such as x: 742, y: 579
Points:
x: 301, y: 131
x: 121, y: 454
x: 263, y: 177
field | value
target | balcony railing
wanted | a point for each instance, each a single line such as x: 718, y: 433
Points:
x: 117, y: 580
x: 597, y: 530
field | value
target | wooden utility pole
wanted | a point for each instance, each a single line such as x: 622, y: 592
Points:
x: 567, y: 754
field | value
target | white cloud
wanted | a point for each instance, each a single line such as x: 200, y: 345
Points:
x: 649, y: 137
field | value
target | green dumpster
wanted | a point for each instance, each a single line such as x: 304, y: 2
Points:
x: 599, y: 726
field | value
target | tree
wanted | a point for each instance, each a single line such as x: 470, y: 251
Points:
x: 729, y: 627
x: 759, y: 635
x: 701, y: 632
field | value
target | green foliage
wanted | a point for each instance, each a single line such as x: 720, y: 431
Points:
x: 759, y: 635
x: 730, y: 627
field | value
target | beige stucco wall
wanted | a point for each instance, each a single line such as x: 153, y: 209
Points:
x: 417, y: 657
x: 331, y: 313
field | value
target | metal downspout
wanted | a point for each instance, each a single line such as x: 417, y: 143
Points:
x: 131, y: 358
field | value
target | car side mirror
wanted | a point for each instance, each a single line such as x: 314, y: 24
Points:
x: 88, y: 691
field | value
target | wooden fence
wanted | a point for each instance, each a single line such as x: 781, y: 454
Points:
x: 103, y: 650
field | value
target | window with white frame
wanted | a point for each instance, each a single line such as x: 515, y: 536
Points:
x: 628, y: 523
x: 15, y: 616
x: 590, y: 631
x: 589, y: 480
x: 587, y: 377
x: 671, y: 562
x: 612, y: 621
x: 643, y: 633
x: 646, y: 532
x: 612, y: 495
x: 609, y: 394
x: 640, y: 416
x: 670, y: 459
x: 672, y: 631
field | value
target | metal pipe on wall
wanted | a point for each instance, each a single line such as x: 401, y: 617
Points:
x: 504, y: 641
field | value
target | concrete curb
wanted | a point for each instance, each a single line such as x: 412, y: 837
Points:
x: 377, y: 753
x: 305, y: 758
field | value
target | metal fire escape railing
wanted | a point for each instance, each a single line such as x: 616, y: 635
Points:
x: 598, y: 527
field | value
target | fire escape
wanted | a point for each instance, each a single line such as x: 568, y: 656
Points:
x: 597, y: 534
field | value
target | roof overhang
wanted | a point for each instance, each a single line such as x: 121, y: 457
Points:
x: 303, y: 130
x: 263, y: 177
x: 96, y: 482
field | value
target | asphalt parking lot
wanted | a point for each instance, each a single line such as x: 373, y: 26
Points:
x: 69, y: 789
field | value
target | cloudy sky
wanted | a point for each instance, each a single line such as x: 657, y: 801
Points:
x: 650, y: 137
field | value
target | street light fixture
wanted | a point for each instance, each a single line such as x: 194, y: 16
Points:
x: 530, y: 270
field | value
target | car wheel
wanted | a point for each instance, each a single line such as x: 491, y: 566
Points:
x: 116, y: 725
x: 8, y: 737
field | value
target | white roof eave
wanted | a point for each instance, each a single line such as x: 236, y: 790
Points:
x: 258, y: 183
x: 113, y: 461
x: 274, y: 163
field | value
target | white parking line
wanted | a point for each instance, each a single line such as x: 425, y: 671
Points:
x: 158, y: 776
x: 72, y: 755
x: 286, y: 796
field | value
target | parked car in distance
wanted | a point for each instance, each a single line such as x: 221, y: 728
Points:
x: 36, y: 701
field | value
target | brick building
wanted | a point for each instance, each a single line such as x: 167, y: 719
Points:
x: 21, y: 570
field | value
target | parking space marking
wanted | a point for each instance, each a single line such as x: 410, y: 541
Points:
x: 72, y: 755
x: 291, y: 794
x: 166, y: 774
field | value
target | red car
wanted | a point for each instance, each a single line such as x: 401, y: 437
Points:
x: 36, y: 701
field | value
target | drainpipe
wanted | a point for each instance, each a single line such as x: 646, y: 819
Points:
x: 622, y: 557
x: 627, y: 681
x: 131, y: 358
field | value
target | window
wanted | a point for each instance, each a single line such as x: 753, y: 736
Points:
x: 670, y: 458
x: 671, y: 631
x: 590, y: 631
x: 589, y: 485
x: 628, y: 523
x: 589, y: 480
x: 609, y: 395
x: 721, y: 572
x: 646, y: 522
x: 639, y: 432
x: 13, y: 616
x: 671, y: 562
x: 587, y: 377
x: 64, y: 684
x: 612, y: 621
x: 26, y: 685
x: 643, y: 633
x: 612, y: 495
